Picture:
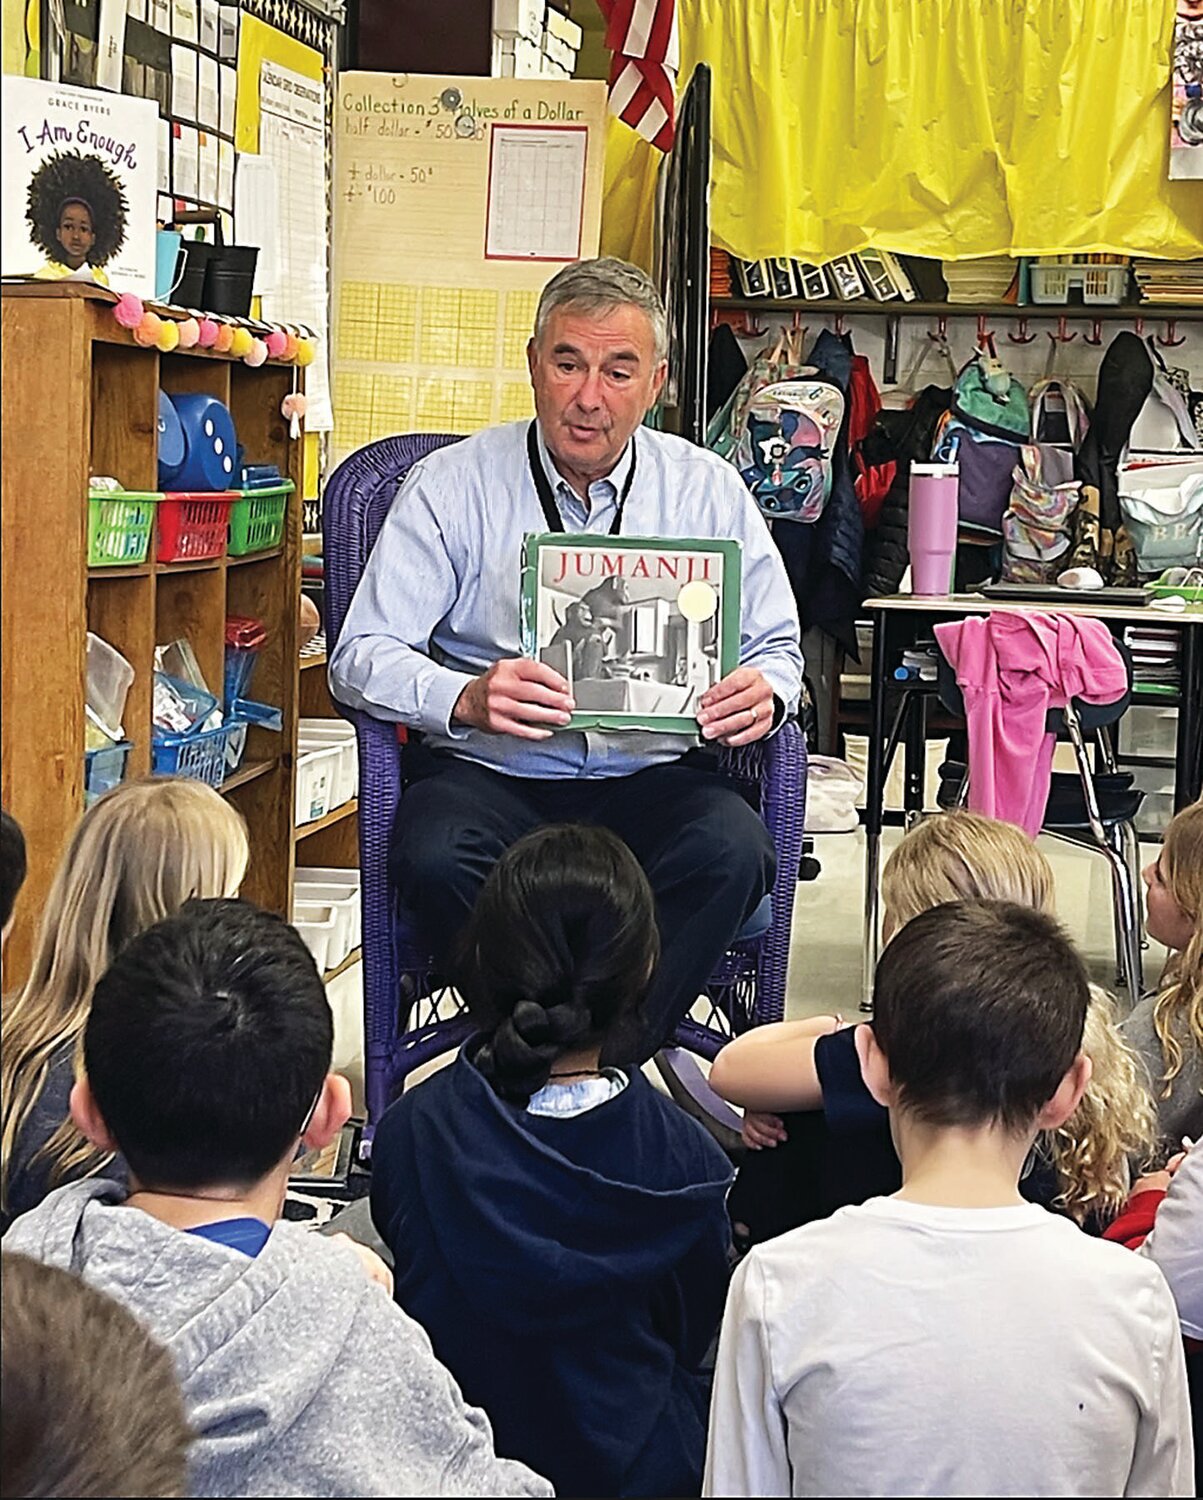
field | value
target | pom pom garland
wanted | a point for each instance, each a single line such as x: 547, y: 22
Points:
x: 189, y: 331
x: 241, y: 341
x: 224, y: 339
x: 169, y: 335
x: 306, y: 353
x: 129, y: 310
x: 207, y: 333
x: 147, y: 332
x: 256, y: 355
x: 277, y: 342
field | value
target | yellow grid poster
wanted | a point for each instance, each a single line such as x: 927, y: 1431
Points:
x: 455, y: 200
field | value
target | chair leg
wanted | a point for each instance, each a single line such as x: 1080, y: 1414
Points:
x: 1131, y: 846
x: 1126, y: 916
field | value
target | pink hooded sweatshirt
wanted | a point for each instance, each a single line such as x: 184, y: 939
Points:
x: 1011, y: 669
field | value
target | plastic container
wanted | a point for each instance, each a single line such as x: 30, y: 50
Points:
x: 209, y: 756
x: 1148, y: 730
x: 317, y: 770
x: 257, y: 519
x: 109, y: 676
x: 104, y: 769
x: 244, y: 640
x: 316, y: 925
x: 119, y: 527
x: 229, y: 278
x: 1102, y: 286
x: 196, y: 703
x: 320, y: 733
x: 343, y: 901
x: 193, y: 526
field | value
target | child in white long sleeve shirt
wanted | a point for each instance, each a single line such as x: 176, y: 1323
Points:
x: 953, y: 1339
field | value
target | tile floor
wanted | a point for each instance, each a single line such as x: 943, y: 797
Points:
x: 825, y: 971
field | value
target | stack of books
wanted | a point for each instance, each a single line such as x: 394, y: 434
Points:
x: 1156, y: 667
x: 989, y: 278
x: 720, y: 273
x: 1170, y: 280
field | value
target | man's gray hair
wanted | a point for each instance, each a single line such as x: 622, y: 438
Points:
x: 599, y: 285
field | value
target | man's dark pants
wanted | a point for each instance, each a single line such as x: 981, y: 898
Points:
x: 707, y: 855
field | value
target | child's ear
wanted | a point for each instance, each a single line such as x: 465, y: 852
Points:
x: 87, y: 1119
x: 1069, y: 1094
x: 874, y: 1068
x: 330, y: 1113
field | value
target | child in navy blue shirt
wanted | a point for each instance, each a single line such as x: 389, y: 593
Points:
x: 558, y: 1228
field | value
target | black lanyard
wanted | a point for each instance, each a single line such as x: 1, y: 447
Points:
x: 555, y: 522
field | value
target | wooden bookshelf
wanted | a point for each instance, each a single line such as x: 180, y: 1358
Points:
x: 80, y: 399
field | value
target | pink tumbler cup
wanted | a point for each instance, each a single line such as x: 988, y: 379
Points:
x: 932, y: 527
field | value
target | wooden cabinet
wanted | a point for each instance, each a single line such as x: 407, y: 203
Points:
x: 80, y: 399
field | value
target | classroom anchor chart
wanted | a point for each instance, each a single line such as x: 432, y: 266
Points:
x: 455, y: 200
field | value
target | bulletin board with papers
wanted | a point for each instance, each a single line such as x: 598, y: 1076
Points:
x: 455, y: 200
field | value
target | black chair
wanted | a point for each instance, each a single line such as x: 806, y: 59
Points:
x: 1093, y: 808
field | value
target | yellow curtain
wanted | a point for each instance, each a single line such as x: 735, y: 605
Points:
x: 951, y: 128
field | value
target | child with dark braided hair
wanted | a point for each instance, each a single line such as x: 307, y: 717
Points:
x: 558, y: 1227
x: 76, y: 212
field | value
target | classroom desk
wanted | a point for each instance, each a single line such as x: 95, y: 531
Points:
x: 901, y: 619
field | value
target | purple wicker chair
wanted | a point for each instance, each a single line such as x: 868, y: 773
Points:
x: 406, y: 1019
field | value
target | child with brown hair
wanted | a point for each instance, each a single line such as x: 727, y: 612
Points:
x: 952, y: 1339
x: 834, y: 1147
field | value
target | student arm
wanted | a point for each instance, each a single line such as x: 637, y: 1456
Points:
x: 773, y: 1067
x: 746, y: 1452
x: 380, y: 663
x: 1163, y: 1458
x: 1175, y: 1240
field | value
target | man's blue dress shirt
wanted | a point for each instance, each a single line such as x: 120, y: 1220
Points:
x: 439, y: 599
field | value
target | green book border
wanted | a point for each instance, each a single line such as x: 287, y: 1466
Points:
x: 729, y: 612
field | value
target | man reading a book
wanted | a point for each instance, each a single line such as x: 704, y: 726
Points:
x: 432, y: 640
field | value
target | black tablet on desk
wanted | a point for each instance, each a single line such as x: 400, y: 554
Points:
x: 1052, y: 594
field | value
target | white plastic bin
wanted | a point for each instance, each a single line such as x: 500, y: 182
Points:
x: 1148, y: 730
x: 317, y: 769
x: 345, y: 783
x: 316, y: 924
x: 343, y: 901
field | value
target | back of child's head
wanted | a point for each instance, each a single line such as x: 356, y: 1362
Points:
x: 979, y: 1008
x: 207, y: 1044
x: 558, y: 952
x: 1179, y: 1006
x: 962, y: 856
x: 89, y: 1404
x: 136, y: 856
x: 12, y: 865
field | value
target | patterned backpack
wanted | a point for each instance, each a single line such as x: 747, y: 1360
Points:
x: 779, y: 429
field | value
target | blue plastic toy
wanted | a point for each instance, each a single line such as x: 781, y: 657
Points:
x: 210, y: 444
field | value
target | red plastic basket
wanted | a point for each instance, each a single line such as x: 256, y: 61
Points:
x: 194, y: 526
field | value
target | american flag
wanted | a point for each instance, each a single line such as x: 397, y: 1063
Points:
x: 642, y: 35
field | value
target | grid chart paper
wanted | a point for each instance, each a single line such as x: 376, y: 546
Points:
x: 536, y: 192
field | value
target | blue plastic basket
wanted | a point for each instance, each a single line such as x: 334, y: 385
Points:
x: 103, y: 769
x: 209, y: 756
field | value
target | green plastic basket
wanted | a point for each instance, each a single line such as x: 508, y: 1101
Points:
x: 257, y: 519
x: 120, y: 523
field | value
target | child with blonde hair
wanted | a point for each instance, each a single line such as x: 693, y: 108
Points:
x: 136, y: 856
x: 834, y: 1147
x: 1167, y: 1028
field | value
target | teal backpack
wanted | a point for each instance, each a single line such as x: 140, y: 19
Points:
x: 990, y: 400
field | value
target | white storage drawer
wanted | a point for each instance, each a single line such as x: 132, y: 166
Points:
x: 316, y: 924
x: 324, y: 734
x: 343, y: 901
x: 318, y: 769
x: 1148, y: 729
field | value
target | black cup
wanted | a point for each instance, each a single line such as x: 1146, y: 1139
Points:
x: 229, y: 278
x: 191, y: 289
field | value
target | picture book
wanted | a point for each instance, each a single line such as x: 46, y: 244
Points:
x: 640, y: 627
x: 78, y: 177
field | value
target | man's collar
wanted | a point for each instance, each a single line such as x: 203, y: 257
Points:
x: 616, y: 476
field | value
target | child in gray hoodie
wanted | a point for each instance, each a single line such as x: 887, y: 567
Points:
x: 207, y: 1052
